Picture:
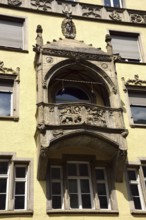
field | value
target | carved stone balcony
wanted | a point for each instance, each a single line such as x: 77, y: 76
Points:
x: 77, y: 114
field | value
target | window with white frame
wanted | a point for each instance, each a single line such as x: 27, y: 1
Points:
x: 126, y: 45
x: 137, y: 99
x: 14, y: 185
x: 137, y: 183
x: 75, y: 186
x: 11, y: 32
x: 9, y: 84
x: 113, y: 3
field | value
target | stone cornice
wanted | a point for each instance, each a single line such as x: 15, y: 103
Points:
x: 81, y: 10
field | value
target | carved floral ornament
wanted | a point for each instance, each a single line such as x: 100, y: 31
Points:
x: 137, y: 18
x: 14, y: 2
x: 115, y: 16
x: 6, y: 70
x: 91, y: 12
x: 42, y: 4
x: 133, y: 82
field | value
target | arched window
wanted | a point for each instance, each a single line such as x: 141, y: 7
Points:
x: 71, y: 94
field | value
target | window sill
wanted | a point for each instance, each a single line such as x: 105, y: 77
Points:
x: 87, y: 211
x: 138, y: 125
x: 20, y: 212
x: 9, y: 118
x: 13, y: 49
x: 138, y: 212
x: 130, y: 62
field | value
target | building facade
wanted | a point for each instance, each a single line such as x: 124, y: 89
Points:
x: 72, y: 109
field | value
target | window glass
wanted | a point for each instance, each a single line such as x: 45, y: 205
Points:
x: 113, y: 3
x: 3, y: 184
x: 5, y: 103
x: 79, y: 185
x: 71, y: 94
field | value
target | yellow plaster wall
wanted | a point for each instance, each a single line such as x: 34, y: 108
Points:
x: 20, y: 135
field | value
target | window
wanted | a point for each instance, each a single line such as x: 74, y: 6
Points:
x: 14, y: 185
x: 11, y: 32
x: 9, y: 84
x: 76, y: 187
x: 126, y: 45
x: 71, y: 94
x: 137, y: 184
x: 137, y: 101
x: 113, y: 3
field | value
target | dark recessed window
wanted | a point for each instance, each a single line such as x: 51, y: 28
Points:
x: 71, y: 94
x: 113, y: 3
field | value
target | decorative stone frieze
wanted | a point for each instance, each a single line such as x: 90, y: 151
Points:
x: 115, y: 16
x: 44, y: 5
x: 15, y: 2
x: 92, y: 12
x: 82, y: 10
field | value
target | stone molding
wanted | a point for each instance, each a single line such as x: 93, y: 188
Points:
x: 83, y: 10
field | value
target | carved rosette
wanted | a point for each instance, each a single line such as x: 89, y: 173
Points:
x: 137, y: 18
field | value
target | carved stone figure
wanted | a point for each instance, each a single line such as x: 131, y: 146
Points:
x: 135, y: 81
x: 68, y: 26
x: 4, y: 69
x: 14, y: 2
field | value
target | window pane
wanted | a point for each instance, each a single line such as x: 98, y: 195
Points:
x: 20, y: 188
x: 137, y: 203
x: 19, y: 202
x: 132, y: 174
x: 107, y: 2
x: 71, y: 95
x: 3, y: 185
x: 139, y: 114
x: 5, y: 104
x: 56, y: 202
x: 85, y: 186
x: 86, y: 201
x: 116, y: 3
x: 2, y: 201
x: 72, y: 186
x: 74, y: 204
x: 56, y: 188
x: 101, y: 189
x: 20, y: 172
x: 3, y: 167
x: 83, y: 170
x: 134, y: 190
x: 55, y: 172
x: 100, y: 174
x: 72, y: 169
x: 103, y: 202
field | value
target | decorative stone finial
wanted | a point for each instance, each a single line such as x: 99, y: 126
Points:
x: 109, y: 45
x: 68, y: 26
x: 39, y: 39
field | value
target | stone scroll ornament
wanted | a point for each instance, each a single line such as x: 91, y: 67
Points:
x: 14, y: 2
x: 68, y: 26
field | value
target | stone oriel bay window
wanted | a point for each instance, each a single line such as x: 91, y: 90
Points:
x: 15, y: 184
x: 80, y: 186
x: 137, y: 187
x: 9, y: 92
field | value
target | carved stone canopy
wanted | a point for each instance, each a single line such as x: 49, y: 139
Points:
x: 74, y: 49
